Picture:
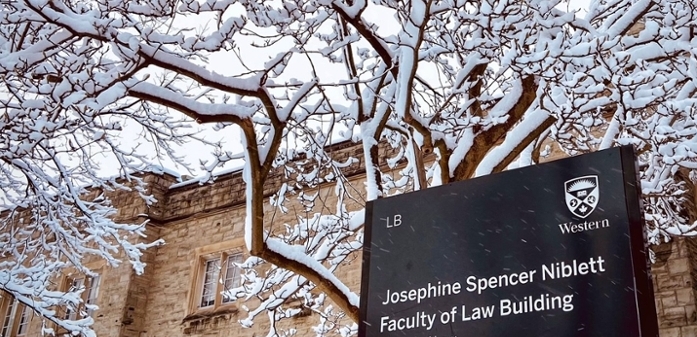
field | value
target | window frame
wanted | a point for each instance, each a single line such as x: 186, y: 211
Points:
x: 67, y: 283
x: 64, y: 283
x: 201, y: 256
x: 19, y: 315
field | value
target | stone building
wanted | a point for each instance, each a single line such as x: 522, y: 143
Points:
x: 202, y: 226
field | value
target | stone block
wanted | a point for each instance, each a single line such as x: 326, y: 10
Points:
x: 685, y: 296
x: 688, y: 331
x: 666, y: 282
x: 671, y: 332
x: 673, y: 317
x: 678, y: 266
x: 669, y: 301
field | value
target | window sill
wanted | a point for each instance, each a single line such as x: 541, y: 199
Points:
x: 204, y: 314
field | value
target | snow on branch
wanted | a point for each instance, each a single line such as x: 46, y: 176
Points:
x: 372, y: 98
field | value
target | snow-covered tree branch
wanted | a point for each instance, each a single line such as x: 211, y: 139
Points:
x: 451, y: 89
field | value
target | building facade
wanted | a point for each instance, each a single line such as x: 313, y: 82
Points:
x: 202, y: 226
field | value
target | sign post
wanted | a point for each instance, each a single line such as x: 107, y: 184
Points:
x: 554, y: 250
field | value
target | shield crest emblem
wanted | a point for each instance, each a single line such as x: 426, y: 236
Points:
x: 582, y: 195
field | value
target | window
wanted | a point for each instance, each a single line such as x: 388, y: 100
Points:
x: 217, y: 279
x: 90, y: 291
x: 23, y: 324
x: 15, y: 317
x: 232, y: 277
x: 73, y: 280
x: 214, y: 272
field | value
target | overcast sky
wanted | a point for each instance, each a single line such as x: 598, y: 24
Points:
x: 227, y: 63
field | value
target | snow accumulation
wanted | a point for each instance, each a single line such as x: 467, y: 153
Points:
x: 532, y: 120
x: 202, y: 179
x: 297, y: 253
x: 205, y: 109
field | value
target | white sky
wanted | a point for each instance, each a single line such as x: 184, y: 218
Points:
x: 227, y: 63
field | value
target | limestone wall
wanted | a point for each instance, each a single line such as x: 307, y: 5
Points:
x: 207, y: 222
x: 204, y: 215
x: 673, y: 287
x: 189, y: 217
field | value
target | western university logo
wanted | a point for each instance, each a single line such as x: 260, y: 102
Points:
x: 582, y: 195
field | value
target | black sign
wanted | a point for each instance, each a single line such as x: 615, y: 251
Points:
x: 549, y: 250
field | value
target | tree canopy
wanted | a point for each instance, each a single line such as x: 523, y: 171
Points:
x: 478, y: 85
